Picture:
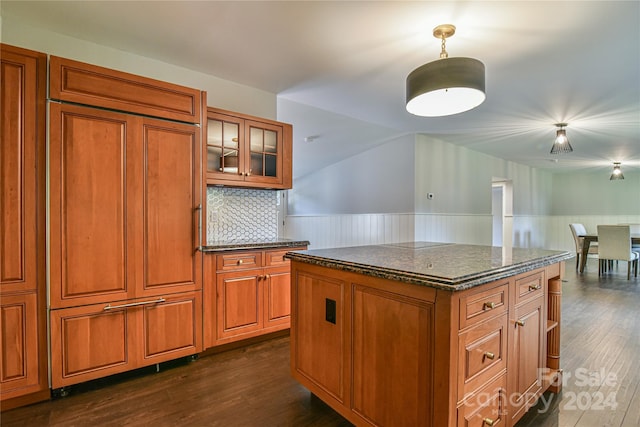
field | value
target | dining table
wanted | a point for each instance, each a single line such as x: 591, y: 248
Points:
x: 588, y: 238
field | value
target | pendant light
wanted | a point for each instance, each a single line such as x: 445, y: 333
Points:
x: 561, y: 143
x: 617, y: 172
x: 446, y: 86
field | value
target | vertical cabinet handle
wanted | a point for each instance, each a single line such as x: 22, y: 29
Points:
x: 199, y: 209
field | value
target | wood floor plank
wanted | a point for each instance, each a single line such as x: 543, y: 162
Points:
x: 251, y: 386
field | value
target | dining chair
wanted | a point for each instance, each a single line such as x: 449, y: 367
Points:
x: 578, y: 230
x: 635, y: 229
x: 614, y: 244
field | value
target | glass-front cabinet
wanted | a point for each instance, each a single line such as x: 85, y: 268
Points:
x: 247, y: 151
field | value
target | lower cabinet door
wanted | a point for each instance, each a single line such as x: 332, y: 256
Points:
x: 239, y: 304
x: 527, y: 357
x: 171, y: 329
x: 19, y: 345
x: 277, y: 298
x: 90, y: 342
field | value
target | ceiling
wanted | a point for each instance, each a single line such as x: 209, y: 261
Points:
x: 339, y: 68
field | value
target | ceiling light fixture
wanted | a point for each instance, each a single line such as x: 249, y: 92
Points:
x: 561, y: 143
x: 617, y: 172
x: 446, y: 86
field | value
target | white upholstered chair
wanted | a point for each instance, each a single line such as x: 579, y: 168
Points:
x: 579, y: 230
x: 614, y: 244
x: 635, y: 229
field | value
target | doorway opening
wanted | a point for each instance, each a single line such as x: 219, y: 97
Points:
x: 502, y: 212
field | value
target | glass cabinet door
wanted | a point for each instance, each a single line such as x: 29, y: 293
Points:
x: 223, y: 146
x: 245, y: 151
x: 265, y: 150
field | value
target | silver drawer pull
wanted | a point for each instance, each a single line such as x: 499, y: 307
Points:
x: 133, y: 304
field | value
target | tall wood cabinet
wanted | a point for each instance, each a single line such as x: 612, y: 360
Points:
x: 125, y: 200
x: 23, y: 345
x: 247, y: 151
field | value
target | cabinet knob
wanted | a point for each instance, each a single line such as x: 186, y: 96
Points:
x: 489, y: 355
x: 520, y: 322
x: 488, y: 421
x: 239, y: 262
x: 489, y: 305
x: 534, y: 287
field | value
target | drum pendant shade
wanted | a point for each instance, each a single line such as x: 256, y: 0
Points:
x: 445, y: 87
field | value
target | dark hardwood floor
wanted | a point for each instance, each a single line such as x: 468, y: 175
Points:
x: 251, y: 386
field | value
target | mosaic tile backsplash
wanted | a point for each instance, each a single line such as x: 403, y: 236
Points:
x: 241, y: 214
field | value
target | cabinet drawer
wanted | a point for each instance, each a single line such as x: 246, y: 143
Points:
x: 487, y: 407
x: 476, y: 307
x: 276, y: 257
x: 529, y: 287
x: 482, y: 352
x: 238, y: 261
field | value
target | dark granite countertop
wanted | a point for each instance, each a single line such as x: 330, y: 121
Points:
x: 230, y: 245
x: 447, y: 266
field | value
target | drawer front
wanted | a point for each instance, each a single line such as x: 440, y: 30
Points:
x: 276, y: 257
x: 238, y: 261
x: 529, y: 287
x: 482, y: 353
x: 476, y: 307
x: 487, y: 407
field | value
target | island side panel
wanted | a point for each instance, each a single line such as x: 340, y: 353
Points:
x: 320, y: 346
x: 388, y: 342
x: 392, y: 357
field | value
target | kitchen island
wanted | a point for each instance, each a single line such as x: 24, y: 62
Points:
x: 427, y: 334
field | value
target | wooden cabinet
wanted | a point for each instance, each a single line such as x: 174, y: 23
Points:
x: 384, y: 352
x: 93, y: 341
x: 246, y: 293
x: 247, y: 151
x: 23, y: 338
x: 125, y: 193
x: 527, y: 356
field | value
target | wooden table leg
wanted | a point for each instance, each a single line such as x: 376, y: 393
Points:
x: 585, y: 251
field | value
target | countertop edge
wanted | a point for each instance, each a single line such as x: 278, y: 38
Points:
x: 457, y: 284
x: 223, y: 247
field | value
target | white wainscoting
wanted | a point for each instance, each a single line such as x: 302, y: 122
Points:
x: 558, y: 233
x: 548, y: 232
x: 454, y: 228
x: 334, y: 231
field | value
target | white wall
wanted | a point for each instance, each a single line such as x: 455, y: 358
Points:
x: 582, y: 193
x: 220, y: 93
x: 544, y: 204
x: 379, y: 180
x: 460, y: 212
